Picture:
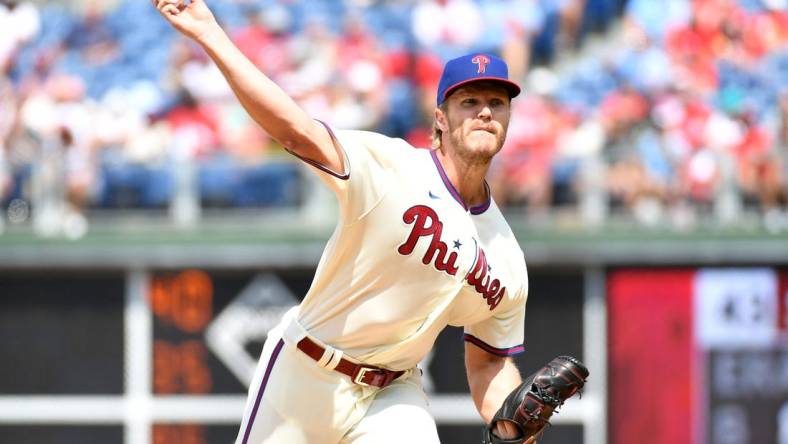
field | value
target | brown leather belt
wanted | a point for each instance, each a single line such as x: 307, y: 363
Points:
x: 359, y: 373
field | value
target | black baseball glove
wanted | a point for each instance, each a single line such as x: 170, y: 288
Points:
x: 530, y: 405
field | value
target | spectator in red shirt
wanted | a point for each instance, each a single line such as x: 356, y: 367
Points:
x: 194, y: 128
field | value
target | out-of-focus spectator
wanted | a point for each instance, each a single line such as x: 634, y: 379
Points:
x: 622, y: 109
x: 265, y: 39
x: 91, y: 38
x: 570, y: 13
x: 7, y: 122
x: 60, y: 117
x: 20, y: 23
x: 782, y: 150
x: 756, y: 162
x: 79, y: 163
x: 150, y: 145
x: 203, y: 80
x: 447, y: 27
x: 195, y: 130
x: 654, y: 19
x: 510, y: 27
x: 645, y: 65
x: 782, y: 119
x: 9, y: 105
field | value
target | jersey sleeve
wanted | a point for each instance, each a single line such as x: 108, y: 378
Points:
x: 369, y: 170
x: 501, y: 334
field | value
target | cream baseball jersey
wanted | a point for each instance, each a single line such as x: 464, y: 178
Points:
x: 408, y: 258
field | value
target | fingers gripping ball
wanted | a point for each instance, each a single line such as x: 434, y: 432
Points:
x: 530, y: 405
x: 169, y: 6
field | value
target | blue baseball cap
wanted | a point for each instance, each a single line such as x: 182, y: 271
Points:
x: 472, y: 68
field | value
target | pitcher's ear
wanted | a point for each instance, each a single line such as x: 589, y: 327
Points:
x: 440, y: 120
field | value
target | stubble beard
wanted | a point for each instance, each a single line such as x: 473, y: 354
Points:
x: 473, y: 156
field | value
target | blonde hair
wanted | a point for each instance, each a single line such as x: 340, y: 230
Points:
x: 437, y: 133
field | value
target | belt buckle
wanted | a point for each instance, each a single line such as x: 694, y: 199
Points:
x: 359, y: 378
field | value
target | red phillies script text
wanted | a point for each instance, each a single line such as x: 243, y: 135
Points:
x: 426, y: 223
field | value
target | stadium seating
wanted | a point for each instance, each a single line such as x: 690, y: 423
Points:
x: 128, y: 49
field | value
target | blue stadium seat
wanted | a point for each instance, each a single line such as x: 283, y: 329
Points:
x: 217, y: 178
x: 269, y: 185
x: 128, y: 185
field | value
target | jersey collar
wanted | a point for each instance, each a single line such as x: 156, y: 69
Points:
x: 478, y: 209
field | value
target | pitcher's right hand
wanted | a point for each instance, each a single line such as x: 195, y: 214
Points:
x: 193, y: 20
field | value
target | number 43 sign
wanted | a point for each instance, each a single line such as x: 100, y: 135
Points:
x: 744, y: 307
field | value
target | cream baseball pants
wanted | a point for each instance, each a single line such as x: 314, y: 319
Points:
x: 295, y: 400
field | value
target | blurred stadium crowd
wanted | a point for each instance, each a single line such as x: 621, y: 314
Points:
x: 684, y: 110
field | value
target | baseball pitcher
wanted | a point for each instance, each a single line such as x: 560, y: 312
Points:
x: 419, y: 245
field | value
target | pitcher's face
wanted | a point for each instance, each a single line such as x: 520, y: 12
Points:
x: 475, y: 120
